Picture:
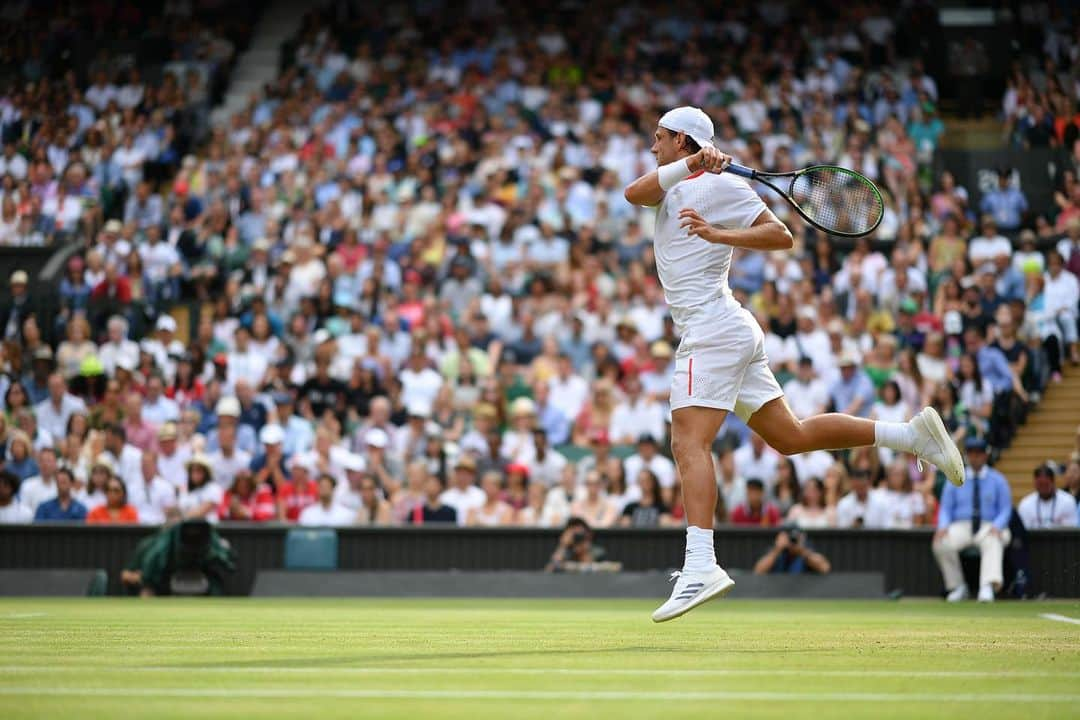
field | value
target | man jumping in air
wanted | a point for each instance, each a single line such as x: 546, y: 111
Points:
x: 720, y: 365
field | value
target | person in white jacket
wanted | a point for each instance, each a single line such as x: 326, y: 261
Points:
x: 1062, y: 294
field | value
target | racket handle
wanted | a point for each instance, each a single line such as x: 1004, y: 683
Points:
x: 741, y: 170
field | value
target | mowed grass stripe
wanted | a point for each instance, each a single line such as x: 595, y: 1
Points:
x: 97, y: 671
x: 616, y: 695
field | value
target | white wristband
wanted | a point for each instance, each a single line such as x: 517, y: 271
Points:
x: 674, y: 172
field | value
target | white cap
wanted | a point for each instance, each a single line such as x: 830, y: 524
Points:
x: 377, y: 437
x: 355, y: 462
x: 271, y: 434
x: 166, y: 322
x: 228, y: 406
x: 419, y: 408
x: 690, y: 120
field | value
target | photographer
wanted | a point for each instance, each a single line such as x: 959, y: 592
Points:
x: 575, y: 551
x: 791, y: 553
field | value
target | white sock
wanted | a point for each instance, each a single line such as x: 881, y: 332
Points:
x: 895, y: 436
x: 700, y: 551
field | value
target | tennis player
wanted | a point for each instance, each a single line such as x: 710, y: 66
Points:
x: 720, y: 365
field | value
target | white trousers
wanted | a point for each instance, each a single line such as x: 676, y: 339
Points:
x: 958, y: 537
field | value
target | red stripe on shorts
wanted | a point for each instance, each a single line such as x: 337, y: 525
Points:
x: 690, y: 377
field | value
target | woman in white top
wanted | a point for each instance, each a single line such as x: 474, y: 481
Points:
x: 890, y: 408
x: 905, y: 506
x: 594, y: 508
x: 975, y: 395
x: 94, y: 494
x: 494, y: 512
x: 203, y: 494
x: 811, y: 512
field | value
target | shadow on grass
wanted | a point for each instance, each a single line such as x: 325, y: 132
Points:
x: 381, y: 660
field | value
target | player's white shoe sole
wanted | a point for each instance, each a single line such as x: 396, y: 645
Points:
x: 693, y: 589
x: 934, y: 445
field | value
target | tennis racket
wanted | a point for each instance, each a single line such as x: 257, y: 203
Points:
x: 833, y: 199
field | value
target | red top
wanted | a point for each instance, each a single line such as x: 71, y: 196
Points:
x: 260, y: 505
x: 101, y: 514
x: 768, y: 516
x: 297, y: 499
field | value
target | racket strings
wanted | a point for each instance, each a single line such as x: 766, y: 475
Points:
x: 838, y: 200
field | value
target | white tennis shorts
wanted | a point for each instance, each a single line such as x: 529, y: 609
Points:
x: 721, y: 362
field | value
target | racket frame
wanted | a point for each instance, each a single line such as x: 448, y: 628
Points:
x: 764, y: 178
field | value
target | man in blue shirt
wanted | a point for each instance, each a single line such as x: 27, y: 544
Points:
x: 993, y: 365
x: 853, y: 393
x: 974, y: 514
x: 1007, y: 204
x: 63, y: 507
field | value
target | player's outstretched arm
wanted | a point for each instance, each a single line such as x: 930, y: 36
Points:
x: 767, y: 232
x: 648, y: 190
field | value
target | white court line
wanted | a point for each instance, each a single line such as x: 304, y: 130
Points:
x: 1059, y: 618
x: 22, y: 616
x: 390, y: 670
x: 618, y: 695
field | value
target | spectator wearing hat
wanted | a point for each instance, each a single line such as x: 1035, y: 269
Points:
x: 975, y: 514
x: 517, y: 442
x: 1048, y: 506
x: 116, y: 510
x: 463, y: 495
x: 54, y: 412
x: 37, y: 384
x: 172, y: 457
x: 203, y: 496
x: 270, y: 468
x: 226, y: 417
x: 348, y: 491
x: 853, y: 393
x: 381, y: 464
x: 152, y: 496
x: 1006, y: 204
x: 656, y: 381
x: 325, y: 512
x: 412, y: 439
x: 18, y: 306
x: 301, y: 491
x: 755, y: 510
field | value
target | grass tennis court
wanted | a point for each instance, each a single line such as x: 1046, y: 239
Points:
x: 243, y: 658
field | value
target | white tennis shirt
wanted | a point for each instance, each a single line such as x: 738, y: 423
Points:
x: 694, y: 271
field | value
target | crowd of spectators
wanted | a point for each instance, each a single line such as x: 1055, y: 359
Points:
x: 411, y: 291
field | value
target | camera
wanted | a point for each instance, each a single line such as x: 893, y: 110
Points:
x: 579, y: 537
x: 795, y: 535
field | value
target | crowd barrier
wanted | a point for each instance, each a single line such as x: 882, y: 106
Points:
x: 903, y: 557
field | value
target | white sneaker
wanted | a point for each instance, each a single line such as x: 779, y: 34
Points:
x: 958, y: 594
x: 986, y: 594
x: 692, y: 589
x: 933, y: 444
